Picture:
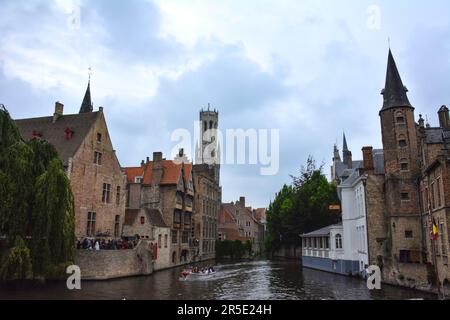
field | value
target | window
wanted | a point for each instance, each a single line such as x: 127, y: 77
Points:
x: 338, y: 241
x: 187, y: 218
x: 177, y: 218
x: 443, y: 244
x: 320, y: 243
x: 117, y: 226
x: 405, y: 256
x: 174, y: 257
x: 185, y: 237
x: 408, y: 234
x: 315, y: 243
x: 128, y: 196
x: 174, y: 236
x: 402, y: 143
x: 99, y: 137
x: 405, y: 196
x: 90, y: 230
x: 159, y: 241
x: 138, y: 179
x: 404, y: 165
x: 327, y: 243
x: 106, y: 196
x: 118, y: 195
x: 166, y: 239
x: 399, y: 118
x: 97, y: 158
x: 438, y: 195
x: 142, y: 220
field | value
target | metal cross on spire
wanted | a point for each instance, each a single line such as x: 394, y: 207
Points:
x: 90, y: 73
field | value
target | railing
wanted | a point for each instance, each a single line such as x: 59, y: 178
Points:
x: 320, y: 253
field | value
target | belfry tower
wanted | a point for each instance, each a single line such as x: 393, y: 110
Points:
x: 208, y: 148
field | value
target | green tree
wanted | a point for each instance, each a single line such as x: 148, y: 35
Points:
x: 301, y: 207
x: 36, y: 201
x: 17, y: 263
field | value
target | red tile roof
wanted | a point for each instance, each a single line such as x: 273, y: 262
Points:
x: 132, y: 173
x: 171, y: 172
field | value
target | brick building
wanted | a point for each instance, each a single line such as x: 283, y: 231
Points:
x: 168, y: 186
x: 238, y: 222
x: 208, y: 198
x: 85, y: 147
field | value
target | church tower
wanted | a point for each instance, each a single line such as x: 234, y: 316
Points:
x: 208, y: 148
x: 400, y: 146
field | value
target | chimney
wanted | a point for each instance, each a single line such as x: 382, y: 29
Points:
x: 157, y: 172
x: 444, y: 121
x: 100, y: 109
x: 147, y: 160
x: 157, y: 156
x: 242, y: 201
x: 59, y: 110
x: 368, y: 159
x: 142, y: 163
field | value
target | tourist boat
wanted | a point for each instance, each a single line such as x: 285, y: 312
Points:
x: 188, y: 273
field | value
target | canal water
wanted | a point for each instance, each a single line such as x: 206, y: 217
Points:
x: 255, y: 280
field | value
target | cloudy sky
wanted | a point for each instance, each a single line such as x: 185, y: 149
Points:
x: 310, y: 68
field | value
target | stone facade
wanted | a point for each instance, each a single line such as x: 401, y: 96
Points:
x: 207, y: 204
x: 109, y: 264
x: 89, y: 181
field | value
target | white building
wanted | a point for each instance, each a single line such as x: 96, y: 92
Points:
x: 352, y: 195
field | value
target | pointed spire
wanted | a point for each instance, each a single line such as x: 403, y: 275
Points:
x: 394, y: 92
x: 87, y: 106
x: 344, y: 145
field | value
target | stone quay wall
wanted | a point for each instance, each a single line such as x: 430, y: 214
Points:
x: 110, y: 264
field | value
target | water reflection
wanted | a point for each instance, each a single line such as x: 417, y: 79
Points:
x: 256, y: 280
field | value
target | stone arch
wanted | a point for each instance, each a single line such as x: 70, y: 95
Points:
x: 174, y: 257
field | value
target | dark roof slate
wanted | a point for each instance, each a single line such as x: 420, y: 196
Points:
x: 54, y: 133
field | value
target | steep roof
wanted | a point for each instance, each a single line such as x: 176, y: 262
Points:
x: 171, y: 172
x: 394, y: 92
x: 54, y: 133
x: 154, y: 216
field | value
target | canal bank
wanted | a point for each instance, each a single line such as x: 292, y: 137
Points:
x: 245, y: 280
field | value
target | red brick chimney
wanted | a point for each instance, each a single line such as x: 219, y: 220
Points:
x: 368, y: 159
x: 157, y: 168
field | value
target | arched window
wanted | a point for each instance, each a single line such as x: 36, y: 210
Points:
x: 338, y: 241
x: 210, y: 124
x: 205, y: 126
x: 399, y: 118
x: 215, y: 125
x: 174, y: 257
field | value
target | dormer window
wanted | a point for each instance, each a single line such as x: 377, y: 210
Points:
x: 68, y: 133
x: 99, y: 137
x: 138, y: 179
x: 36, y: 134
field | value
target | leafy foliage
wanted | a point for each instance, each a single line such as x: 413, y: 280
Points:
x: 301, y: 207
x: 232, y: 249
x: 36, y: 203
x: 17, y: 263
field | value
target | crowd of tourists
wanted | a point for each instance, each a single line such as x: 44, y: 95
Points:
x: 103, y: 244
